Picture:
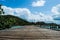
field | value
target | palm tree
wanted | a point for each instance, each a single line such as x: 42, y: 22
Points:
x: 1, y: 10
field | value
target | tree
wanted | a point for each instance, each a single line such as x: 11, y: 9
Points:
x: 1, y: 10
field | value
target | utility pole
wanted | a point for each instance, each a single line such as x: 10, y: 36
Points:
x: 1, y: 10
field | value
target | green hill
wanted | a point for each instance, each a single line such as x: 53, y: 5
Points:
x: 6, y: 21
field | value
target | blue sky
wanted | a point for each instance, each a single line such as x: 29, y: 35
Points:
x: 33, y: 10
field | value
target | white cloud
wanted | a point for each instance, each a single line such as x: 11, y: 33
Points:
x: 56, y: 13
x: 26, y: 14
x: 8, y: 10
x: 15, y: 11
x: 56, y: 9
x: 22, y: 11
x: 38, y: 3
x: 40, y: 17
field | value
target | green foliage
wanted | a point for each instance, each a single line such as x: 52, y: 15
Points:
x: 1, y: 10
x: 7, y: 21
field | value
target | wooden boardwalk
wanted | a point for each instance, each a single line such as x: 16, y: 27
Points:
x: 29, y: 33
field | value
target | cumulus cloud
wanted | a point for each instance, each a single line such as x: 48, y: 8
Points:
x: 38, y: 3
x: 8, y: 10
x: 56, y: 9
x: 15, y: 11
x: 56, y: 13
x: 40, y: 17
x: 27, y: 14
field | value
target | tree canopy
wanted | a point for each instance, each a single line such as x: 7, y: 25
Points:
x: 1, y: 10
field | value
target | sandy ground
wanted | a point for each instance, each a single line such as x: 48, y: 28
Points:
x: 29, y: 33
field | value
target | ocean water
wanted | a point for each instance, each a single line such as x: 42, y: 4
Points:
x: 14, y: 27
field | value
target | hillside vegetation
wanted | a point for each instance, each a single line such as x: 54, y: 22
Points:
x: 7, y: 21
